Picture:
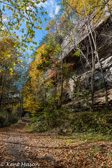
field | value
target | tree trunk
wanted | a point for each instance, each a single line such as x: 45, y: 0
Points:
x: 61, y: 94
x: 100, y: 65
x: 92, y: 74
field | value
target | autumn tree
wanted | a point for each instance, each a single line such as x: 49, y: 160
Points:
x: 10, y: 64
x: 38, y: 83
x: 25, y: 17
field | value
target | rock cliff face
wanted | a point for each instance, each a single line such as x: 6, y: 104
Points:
x: 103, y: 38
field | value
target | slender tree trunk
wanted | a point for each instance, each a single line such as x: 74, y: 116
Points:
x: 92, y: 80
x: 2, y: 89
x: 61, y: 91
x: 44, y: 97
x: 57, y: 89
x: 92, y: 73
x: 100, y: 65
x: 21, y: 106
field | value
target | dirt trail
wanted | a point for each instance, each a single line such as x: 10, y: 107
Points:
x: 19, y: 148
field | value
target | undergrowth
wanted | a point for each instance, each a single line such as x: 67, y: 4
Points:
x: 64, y: 121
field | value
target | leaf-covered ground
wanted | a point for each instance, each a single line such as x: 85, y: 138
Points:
x: 19, y: 148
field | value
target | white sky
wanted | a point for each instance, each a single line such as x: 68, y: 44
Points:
x: 52, y: 7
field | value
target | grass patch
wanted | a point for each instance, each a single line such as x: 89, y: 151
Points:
x: 85, y: 137
x: 19, y: 122
x: 93, y: 137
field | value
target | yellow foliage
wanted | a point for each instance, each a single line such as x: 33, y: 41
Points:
x: 86, y: 7
x: 34, y: 91
x: 8, y: 54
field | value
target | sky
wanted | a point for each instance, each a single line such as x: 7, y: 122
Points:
x: 51, y: 6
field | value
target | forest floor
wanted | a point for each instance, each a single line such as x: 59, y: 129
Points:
x: 19, y: 148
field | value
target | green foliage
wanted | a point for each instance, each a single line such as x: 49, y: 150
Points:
x: 2, y: 120
x: 8, y: 119
x: 92, y: 122
x: 11, y: 120
x: 88, y: 122
x: 77, y: 53
x: 49, y: 119
x: 82, y: 94
x: 92, y: 136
